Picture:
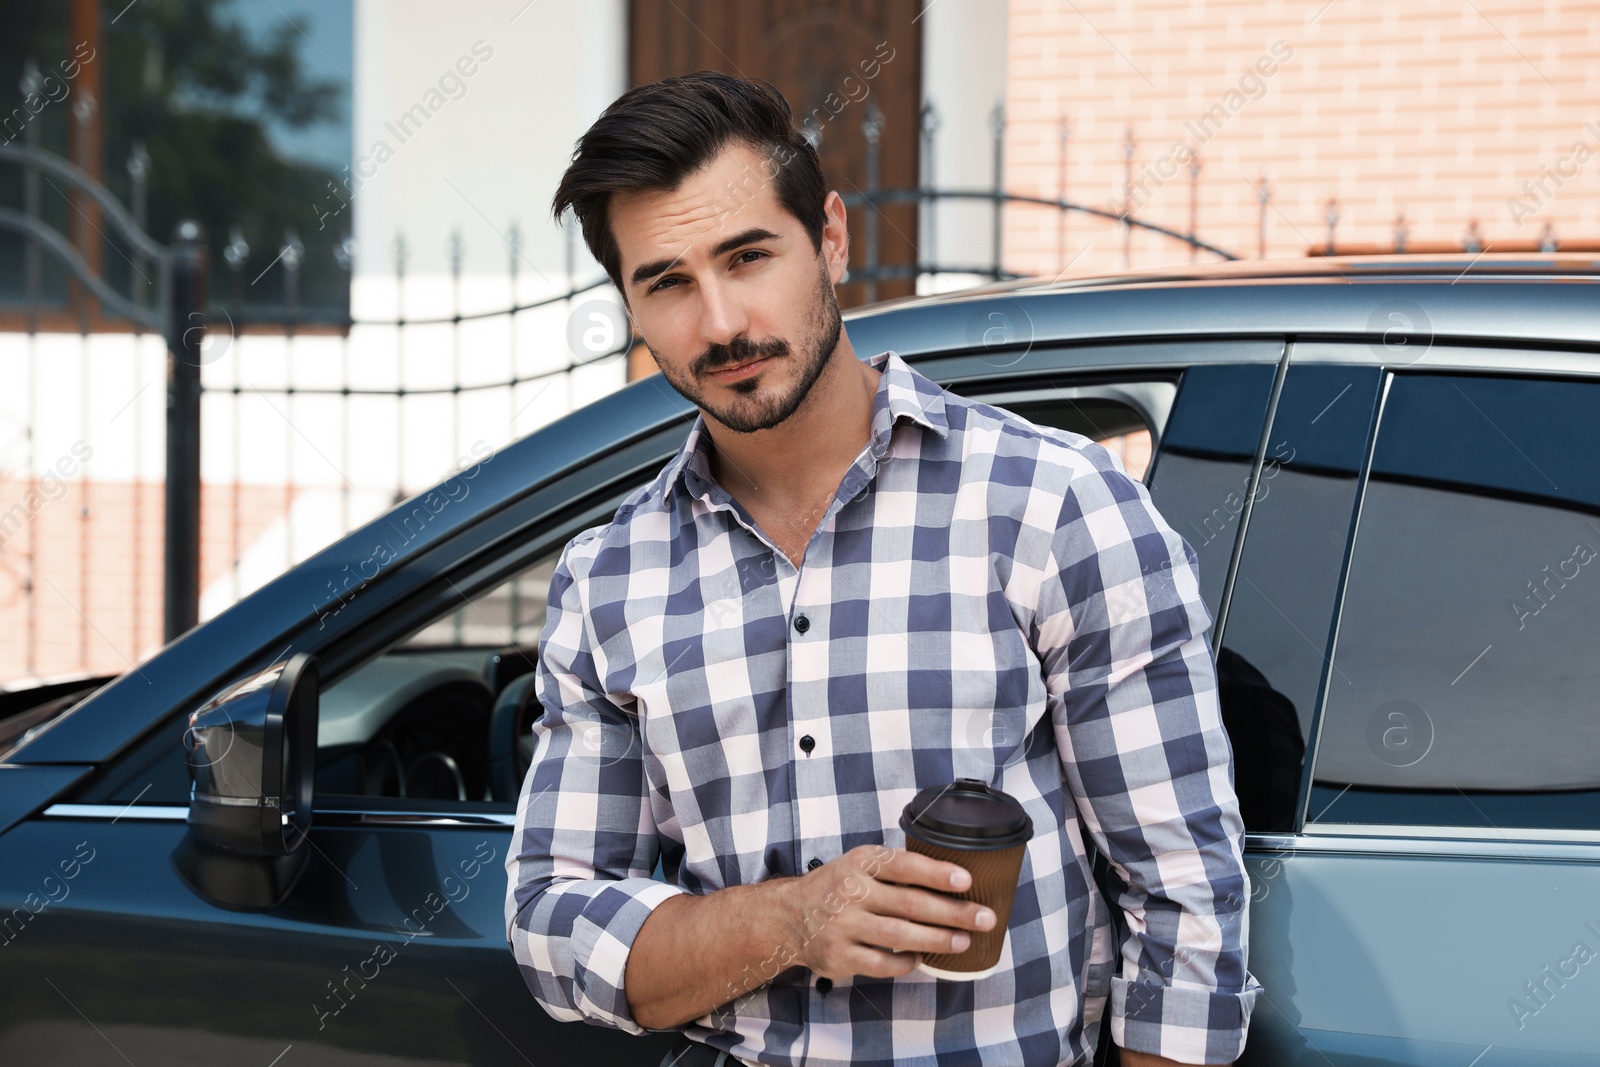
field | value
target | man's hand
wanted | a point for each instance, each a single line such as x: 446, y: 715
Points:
x: 872, y: 911
x: 875, y: 910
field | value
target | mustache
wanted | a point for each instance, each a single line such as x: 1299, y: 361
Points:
x: 740, y: 350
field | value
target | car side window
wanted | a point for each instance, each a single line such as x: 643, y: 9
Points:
x: 439, y: 715
x: 1280, y: 616
x: 1464, y: 675
x: 1202, y: 466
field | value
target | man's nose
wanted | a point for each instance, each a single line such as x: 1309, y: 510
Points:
x: 722, y: 314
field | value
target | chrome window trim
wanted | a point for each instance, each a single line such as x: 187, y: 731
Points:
x: 1465, y: 833
x: 1457, y: 842
x: 342, y: 817
x: 113, y: 812
x: 334, y: 817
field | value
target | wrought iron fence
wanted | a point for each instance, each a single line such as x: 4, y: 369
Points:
x: 168, y: 298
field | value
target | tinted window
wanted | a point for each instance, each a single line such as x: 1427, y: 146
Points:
x: 1202, y: 469
x: 1275, y: 641
x: 1465, y: 678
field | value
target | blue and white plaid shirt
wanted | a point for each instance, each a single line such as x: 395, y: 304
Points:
x: 983, y: 598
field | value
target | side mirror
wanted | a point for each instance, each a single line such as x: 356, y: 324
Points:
x: 251, y: 750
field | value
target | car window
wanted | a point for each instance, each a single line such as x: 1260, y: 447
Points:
x: 509, y: 614
x: 419, y: 721
x: 1202, y: 467
x: 1278, y: 628
x: 1464, y: 675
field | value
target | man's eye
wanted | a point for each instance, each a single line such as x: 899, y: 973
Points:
x: 671, y: 282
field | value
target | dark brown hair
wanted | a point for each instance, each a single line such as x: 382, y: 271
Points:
x: 653, y: 136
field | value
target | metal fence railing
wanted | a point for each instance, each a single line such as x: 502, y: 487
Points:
x: 167, y: 296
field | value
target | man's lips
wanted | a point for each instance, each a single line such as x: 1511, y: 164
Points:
x: 743, y: 370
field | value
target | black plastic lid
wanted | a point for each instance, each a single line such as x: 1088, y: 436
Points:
x: 967, y: 814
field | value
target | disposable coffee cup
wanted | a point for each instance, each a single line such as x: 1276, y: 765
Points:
x: 986, y: 831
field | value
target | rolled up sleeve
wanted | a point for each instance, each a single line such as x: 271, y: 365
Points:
x: 1120, y: 630
x: 579, y: 882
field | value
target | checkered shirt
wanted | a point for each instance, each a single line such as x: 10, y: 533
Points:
x: 983, y: 598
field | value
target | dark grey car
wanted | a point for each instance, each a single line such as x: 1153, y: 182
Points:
x: 1390, y: 472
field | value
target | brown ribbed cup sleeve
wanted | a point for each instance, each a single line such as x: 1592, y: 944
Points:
x: 994, y: 884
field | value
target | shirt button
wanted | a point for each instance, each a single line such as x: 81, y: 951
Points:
x: 814, y: 864
x: 824, y: 985
x: 807, y: 743
x: 801, y: 623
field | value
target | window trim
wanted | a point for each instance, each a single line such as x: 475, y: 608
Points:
x: 374, y: 818
x: 1444, y: 842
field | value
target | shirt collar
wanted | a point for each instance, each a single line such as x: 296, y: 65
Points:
x: 902, y: 393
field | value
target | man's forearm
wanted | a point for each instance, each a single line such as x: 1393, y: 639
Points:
x: 696, y: 952
x: 872, y: 911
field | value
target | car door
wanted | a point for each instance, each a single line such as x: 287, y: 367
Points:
x: 391, y: 948
x: 1410, y: 640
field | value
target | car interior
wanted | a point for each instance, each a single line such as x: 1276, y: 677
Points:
x: 447, y: 713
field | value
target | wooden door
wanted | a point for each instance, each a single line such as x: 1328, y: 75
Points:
x: 834, y: 61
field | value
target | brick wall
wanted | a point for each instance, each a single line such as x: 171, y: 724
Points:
x: 1440, y: 108
x: 97, y: 552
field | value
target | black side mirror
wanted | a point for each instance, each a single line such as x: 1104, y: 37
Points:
x: 251, y: 750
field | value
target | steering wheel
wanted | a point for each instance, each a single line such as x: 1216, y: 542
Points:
x: 511, y: 737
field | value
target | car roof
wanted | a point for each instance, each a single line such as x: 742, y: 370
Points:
x: 1519, y: 299
x: 1337, y: 269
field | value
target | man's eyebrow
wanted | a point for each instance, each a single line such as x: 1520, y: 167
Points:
x: 645, y: 271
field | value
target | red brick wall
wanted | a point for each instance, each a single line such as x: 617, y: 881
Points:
x: 95, y: 610
x: 1437, y: 107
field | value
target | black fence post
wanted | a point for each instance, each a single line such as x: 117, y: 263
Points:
x: 997, y: 129
x: 926, y: 183
x: 185, y: 337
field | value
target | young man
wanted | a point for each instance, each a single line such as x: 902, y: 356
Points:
x: 850, y: 585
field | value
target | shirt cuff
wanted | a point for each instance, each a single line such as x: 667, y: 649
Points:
x: 578, y: 974
x: 1183, y: 1023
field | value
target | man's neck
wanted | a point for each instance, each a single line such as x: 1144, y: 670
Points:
x: 803, y: 458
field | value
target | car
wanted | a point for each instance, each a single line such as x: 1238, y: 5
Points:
x: 287, y: 828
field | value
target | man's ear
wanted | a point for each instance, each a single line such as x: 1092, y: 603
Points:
x: 835, y: 236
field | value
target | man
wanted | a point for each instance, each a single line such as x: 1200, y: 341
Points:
x: 850, y: 585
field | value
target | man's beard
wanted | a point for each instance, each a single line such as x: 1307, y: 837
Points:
x: 761, y: 409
